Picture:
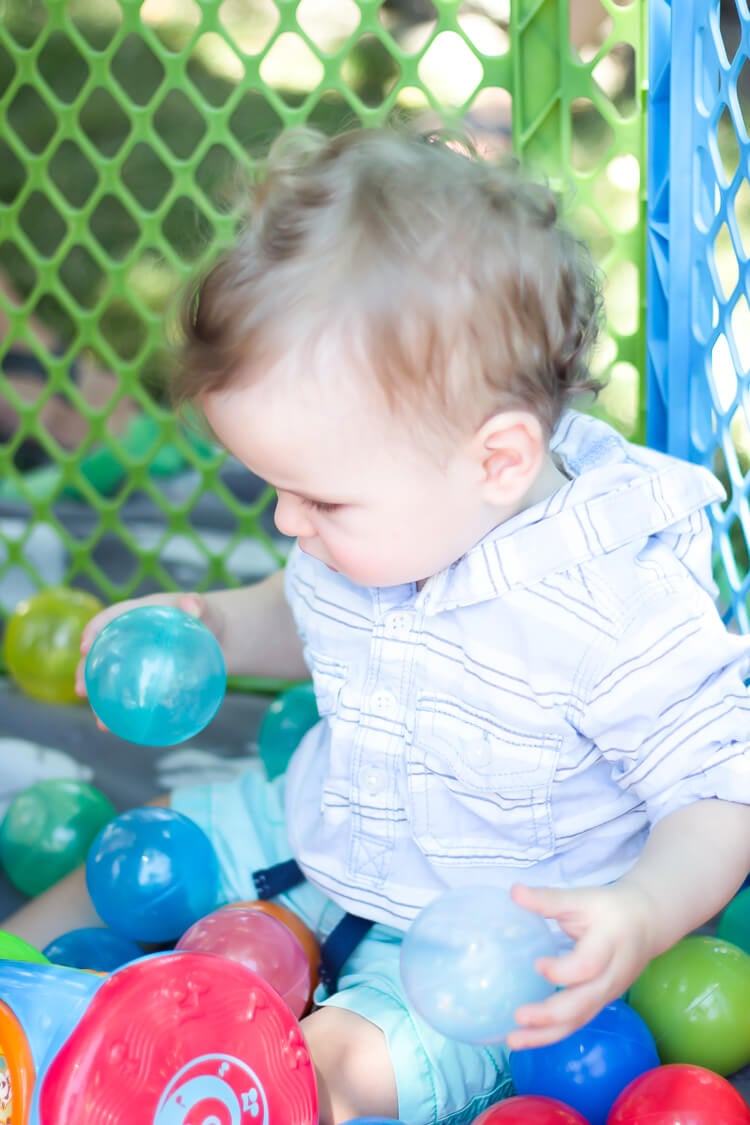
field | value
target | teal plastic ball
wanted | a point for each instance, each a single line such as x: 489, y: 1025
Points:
x: 48, y: 830
x: 155, y: 676
x: 734, y: 923
x: 287, y: 719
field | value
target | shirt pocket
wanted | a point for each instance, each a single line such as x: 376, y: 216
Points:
x: 328, y: 677
x: 478, y: 792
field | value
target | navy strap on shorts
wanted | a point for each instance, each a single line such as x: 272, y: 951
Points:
x: 343, y: 938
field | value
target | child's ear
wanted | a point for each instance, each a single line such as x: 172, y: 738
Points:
x: 510, y: 448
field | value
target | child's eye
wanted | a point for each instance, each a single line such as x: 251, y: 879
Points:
x: 321, y: 506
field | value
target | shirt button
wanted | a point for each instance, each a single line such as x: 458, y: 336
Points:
x: 384, y: 703
x: 372, y: 779
x: 397, y: 624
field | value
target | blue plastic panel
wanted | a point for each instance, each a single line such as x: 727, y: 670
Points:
x: 699, y: 234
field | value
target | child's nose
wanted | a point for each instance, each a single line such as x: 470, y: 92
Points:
x: 291, y: 517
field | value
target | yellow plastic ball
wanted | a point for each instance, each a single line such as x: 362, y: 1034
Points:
x: 42, y: 640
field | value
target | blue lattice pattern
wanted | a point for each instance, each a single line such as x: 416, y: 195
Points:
x: 699, y: 340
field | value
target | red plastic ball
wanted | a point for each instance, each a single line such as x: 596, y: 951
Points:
x: 259, y: 942
x: 293, y: 922
x: 679, y: 1094
x: 530, y: 1109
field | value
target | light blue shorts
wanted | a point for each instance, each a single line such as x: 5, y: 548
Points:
x: 439, y: 1081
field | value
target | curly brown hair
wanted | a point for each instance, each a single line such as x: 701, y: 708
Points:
x: 452, y: 280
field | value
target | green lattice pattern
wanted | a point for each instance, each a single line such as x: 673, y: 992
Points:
x: 125, y: 124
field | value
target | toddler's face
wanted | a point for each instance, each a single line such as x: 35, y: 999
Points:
x: 355, y: 488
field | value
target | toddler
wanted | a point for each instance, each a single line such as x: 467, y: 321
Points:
x: 506, y: 609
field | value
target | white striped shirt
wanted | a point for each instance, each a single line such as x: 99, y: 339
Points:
x: 531, y: 710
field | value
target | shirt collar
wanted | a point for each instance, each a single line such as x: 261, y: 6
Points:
x: 619, y: 493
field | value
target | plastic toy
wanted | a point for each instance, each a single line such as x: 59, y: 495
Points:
x: 530, y: 1110
x: 151, y: 873
x: 283, y: 725
x: 734, y: 923
x: 588, y: 1069
x: 301, y: 931
x: 14, y: 948
x: 169, y: 1039
x: 467, y: 963
x: 155, y: 675
x: 257, y: 940
x: 679, y: 1094
x: 92, y: 947
x: 42, y: 641
x: 695, y: 999
x: 48, y: 829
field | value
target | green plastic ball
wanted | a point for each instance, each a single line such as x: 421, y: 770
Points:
x: 42, y: 642
x: 48, y: 830
x: 14, y: 948
x: 283, y: 725
x: 734, y: 923
x: 695, y: 999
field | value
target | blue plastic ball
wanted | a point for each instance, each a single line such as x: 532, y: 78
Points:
x: 589, y: 1068
x: 155, y: 676
x: 151, y: 873
x: 467, y: 963
x: 92, y: 947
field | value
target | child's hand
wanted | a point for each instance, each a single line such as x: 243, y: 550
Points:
x: 194, y: 604
x: 613, y: 934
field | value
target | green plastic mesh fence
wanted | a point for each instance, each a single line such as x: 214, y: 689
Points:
x: 127, y: 124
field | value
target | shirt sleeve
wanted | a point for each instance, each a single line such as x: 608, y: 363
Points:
x: 667, y: 703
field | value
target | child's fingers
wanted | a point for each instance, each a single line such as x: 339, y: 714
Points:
x: 192, y: 604
x: 93, y: 628
x: 550, y: 902
x: 588, y: 959
x: 80, y: 681
x: 557, y: 1016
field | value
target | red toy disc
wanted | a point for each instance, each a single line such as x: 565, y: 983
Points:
x: 180, y: 1039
